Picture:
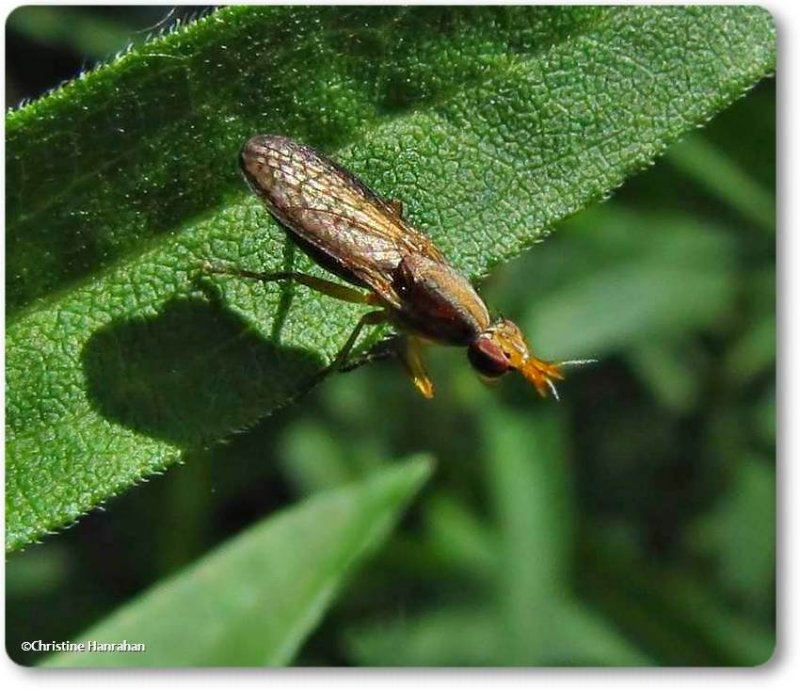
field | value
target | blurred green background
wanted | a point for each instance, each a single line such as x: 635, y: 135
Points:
x: 631, y: 523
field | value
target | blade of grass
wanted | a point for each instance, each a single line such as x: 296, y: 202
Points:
x: 255, y: 599
x: 705, y: 163
x: 525, y: 464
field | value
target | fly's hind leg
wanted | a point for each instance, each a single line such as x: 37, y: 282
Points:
x: 321, y: 285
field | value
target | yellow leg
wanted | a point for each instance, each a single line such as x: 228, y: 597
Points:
x: 412, y: 359
x: 334, y: 290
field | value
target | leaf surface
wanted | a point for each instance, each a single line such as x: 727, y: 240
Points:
x: 491, y: 124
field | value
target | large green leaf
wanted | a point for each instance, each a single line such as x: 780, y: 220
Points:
x: 490, y: 123
x: 254, y: 600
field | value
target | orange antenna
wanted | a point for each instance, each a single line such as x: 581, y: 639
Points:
x: 543, y: 374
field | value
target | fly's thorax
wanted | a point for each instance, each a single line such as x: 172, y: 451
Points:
x: 437, y: 302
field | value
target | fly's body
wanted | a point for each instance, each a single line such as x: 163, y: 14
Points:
x: 364, y: 239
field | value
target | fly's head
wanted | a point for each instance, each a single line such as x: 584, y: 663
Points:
x: 502, y: 348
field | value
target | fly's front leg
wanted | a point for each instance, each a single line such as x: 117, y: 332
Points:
x: 321, y: 285
x: 412, y: 360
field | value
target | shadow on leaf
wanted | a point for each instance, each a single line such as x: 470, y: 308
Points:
x: 191, y: 374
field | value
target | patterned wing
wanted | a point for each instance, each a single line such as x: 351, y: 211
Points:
x: 347, y: 227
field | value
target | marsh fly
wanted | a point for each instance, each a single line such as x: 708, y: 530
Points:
x: 354, y: 233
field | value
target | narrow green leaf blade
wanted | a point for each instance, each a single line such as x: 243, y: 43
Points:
x: 254, y: 600
x: 526, y: 474
x: 711, y: 168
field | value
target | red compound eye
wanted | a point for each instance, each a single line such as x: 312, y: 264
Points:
x: 488, y: 358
